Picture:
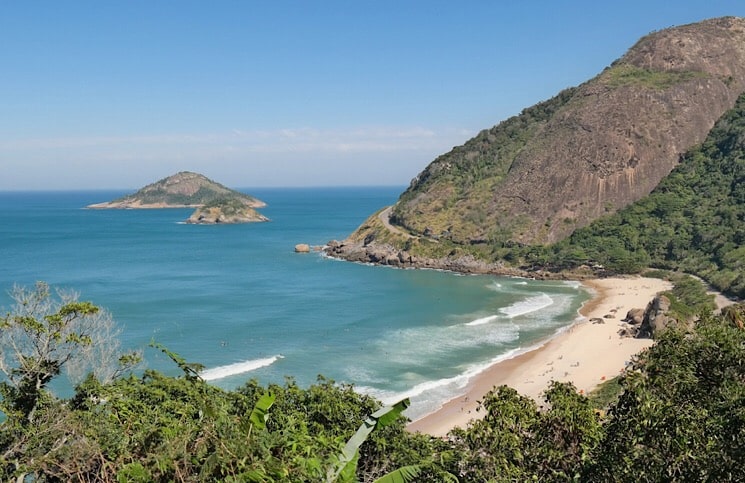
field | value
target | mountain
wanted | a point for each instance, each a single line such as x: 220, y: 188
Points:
x: 693, y: 221
x: 591, y: 150
x: 214, y: 202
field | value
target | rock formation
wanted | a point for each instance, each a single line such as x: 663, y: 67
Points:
x: 225, y: 213
x: 214, y: 202
x: 181, y: 190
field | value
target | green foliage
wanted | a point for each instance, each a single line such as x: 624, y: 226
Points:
x: 344, y: 470
x: 260, y: 412
x: 606, y: 393
x: 689, y: 297
x: 677, y: 416
x: 472, y: 172
x: 45, y: 335
x: 191, y: 369
x: 694, y: 221
x: 624, y: 75
x: 517, y: 441
x: 680, y: 417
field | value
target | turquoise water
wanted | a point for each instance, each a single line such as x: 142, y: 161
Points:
x: 237, y: 299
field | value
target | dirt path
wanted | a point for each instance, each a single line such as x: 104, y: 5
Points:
x: 385, y: 218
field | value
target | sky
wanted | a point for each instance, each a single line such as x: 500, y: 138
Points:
x: 116, y: 95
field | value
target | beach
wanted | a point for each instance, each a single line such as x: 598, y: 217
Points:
x: 585, y: 354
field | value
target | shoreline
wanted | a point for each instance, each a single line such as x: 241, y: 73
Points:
x: 585, y: 354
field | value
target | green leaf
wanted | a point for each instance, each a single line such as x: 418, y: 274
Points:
x: 349, y: 455
x: 405, y: 474
x: 260, y: 413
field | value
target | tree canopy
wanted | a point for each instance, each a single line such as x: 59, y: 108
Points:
x: 679, y: 417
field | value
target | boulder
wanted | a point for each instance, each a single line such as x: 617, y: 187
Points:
x: 655, y: 318
x: 634, y: 316
x: 302, y: 248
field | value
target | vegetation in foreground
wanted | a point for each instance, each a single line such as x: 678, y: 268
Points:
x: 679, y: 417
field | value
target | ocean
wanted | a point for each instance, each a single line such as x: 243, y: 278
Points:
x: 237, y: 299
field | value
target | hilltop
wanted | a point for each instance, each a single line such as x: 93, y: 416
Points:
x: 214, y: 202
x: 181, y: 190
x: 592, y: 150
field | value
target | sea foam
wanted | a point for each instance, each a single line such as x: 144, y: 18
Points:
x: 221, y: 372
x: 428, y: 396
x: 528, y: 305
x: 483, y: 320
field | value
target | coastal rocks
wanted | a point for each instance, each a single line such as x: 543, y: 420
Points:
x: 213, y: 215
x: 649, y: 322
x: 655, y: 318
x: 634, y: 316
x: 302, y: 248
x: 384, y: 254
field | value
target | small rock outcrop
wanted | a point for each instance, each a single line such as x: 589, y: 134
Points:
x: 634, y: 316
x: 385, y: 254
x: 656, y: 318
x: 225, y: 214
x: 302, y: 248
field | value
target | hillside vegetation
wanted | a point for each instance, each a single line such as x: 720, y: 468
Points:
x: 694, y: 221
x: 678, y: 418
x: 589, y: 151
x: 183, y: 189
x: 545, y: 193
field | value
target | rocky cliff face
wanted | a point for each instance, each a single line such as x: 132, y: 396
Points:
x: 590, y: 151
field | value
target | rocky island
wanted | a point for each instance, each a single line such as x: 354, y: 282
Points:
x: 213, y: 202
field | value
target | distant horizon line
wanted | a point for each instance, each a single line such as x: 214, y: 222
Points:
x: 89, y: 190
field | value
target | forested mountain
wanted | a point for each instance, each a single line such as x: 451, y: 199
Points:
x: 587, y: 152
x: 694, y: 221
x: 566, y: 183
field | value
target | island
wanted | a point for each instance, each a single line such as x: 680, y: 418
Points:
x: 213, y: 202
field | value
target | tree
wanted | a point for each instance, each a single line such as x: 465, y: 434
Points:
x: 680, y: 417
x: 518, y: 441
x: 44, y: 335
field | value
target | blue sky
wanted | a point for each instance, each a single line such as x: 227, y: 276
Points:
x: 102, y: 95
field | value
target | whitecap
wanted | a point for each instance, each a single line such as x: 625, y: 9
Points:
x: 482, y: 320
x: 237, y: 368
x: 528, y: 305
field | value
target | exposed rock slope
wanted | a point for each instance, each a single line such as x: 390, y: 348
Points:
x: 591, y: 150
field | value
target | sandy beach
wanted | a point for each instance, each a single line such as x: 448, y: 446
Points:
x: 585, y: 354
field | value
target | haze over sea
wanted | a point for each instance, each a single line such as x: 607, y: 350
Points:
x: 237, y: 299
